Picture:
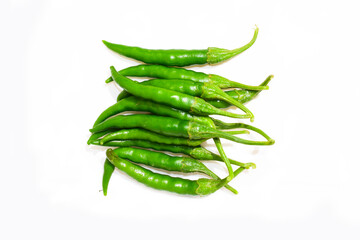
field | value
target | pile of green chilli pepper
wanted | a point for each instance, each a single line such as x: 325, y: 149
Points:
x: 177, y: 103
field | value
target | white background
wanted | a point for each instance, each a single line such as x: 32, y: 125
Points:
x: 53, y: 67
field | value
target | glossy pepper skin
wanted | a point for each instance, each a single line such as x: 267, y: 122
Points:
x: 162, y: 125
x: 172, y: 98
x: 196, y: 89
x: 201, y: 186
x: 196, y: 152
x: 163, y: 72
x: 243, y: 96
x: 170, y: 127
x: 142, y: 134
x: 133, y: 103
x: 166, y: 162
x: 170, y: 57
x: 138, y: 104
x: 108, y: 171
x: 97, y: 135
x: 179, y: 57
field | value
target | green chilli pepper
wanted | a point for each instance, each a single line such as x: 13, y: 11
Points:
x: 166, y: 162
x: 180, y: 57
x: 139, y: 104
x: 141, y: 134
x: 170, y: 127
x: 196, y: 152
x: 242, y: 96
x: 172, y: 98
x: 163, y: 72
x: 123, y: 94
x: 201, y: 186
x: 98, y: 135
x: 108, y: 171
x: 197, y: 89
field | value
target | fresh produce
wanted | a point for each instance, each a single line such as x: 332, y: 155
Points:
x: 179, y: 57
x: 172, y: 98
x: 196, y: 152
x: 202, y: 186
x: 166, y: 162
x: 163, y: 72
x: 173, y: 113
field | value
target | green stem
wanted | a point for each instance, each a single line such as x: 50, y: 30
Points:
x: 220, y: 183
x: 223, y: 82
x: 220, y: 94
x: 223, y: 125
x: 237, y: 172
x: 238, y: 132
x: 248, y: 87
x: 224, y: 158
x: 241, y: 140
x: 242, y: 96
x: 232, y: 115
x: 216, y: 55
x: 198, y: 131
x: 214, y: 176
x: 234, y: 162
x: 263, y: 85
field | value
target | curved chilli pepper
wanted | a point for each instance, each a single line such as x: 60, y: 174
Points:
x: 98, y: 135
x: 166, y: 162
x: 108, y: 171
x: 197, y: 89
x: 179, y: 57
x: 242, y: 96
x: 123, y: 94
x: 172, y: 98
x: 170, y: 127
x: 201, y: 186
x: 163, y: 72
x: 139, y: 104
x: 141, y: 134
x: 196, y: 152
